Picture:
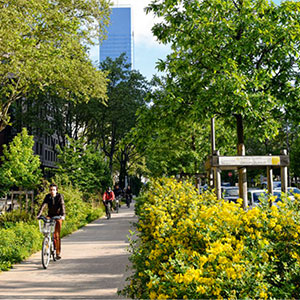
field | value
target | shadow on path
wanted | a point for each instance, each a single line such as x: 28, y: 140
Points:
x: 94, y: 265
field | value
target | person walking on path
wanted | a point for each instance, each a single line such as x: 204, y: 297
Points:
x: 56, y: 207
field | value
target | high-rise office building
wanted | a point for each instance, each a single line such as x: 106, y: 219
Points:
x: 119, y: 36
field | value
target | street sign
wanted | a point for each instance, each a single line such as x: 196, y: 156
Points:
x: 249, y: 161
x: 226, y: 162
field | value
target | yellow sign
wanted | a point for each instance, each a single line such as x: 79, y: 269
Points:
x: 275, y: 160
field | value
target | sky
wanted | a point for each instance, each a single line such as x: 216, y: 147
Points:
x: 147, y: 51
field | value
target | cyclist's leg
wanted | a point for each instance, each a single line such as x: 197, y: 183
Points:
x: 106, y: 207
x: 111, y: 205
x: 57, y: 239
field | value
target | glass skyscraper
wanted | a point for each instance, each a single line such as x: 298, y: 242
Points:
x: 119, y: 36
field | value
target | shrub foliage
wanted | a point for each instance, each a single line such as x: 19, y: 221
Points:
x: 19, y: 231
x: 192, y: 246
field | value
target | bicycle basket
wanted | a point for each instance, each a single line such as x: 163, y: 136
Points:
x: 46, y: 228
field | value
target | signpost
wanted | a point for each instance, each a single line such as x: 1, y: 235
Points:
x: 241, y: 162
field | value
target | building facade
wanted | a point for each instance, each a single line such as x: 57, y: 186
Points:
x: 119, y: 36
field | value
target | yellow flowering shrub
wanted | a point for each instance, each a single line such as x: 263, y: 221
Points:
x: 191, y: 246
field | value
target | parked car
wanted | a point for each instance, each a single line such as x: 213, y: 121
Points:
x: 230, y: 193
x: 255, y: 195
x: 293, y: 190
x: 276, y: 184
x: 290, y: 191
x: 203, y: 188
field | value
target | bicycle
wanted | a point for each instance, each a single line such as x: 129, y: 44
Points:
x: 47, y: 227
x: 128, y: 200
x: 117, y: 202
x: 108, y: 209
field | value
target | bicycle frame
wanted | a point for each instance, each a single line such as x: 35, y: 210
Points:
x: 47, y: 227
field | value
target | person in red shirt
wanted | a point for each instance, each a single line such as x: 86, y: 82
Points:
x: 108, y: 198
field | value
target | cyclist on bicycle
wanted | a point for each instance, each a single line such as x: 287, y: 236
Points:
x: 118, y: 191
x: 128, y: 195
x: 56, y: 207
x: 108, y: 197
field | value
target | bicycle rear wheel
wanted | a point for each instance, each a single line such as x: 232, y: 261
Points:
x: 46, y: 252
x: 117, y: 206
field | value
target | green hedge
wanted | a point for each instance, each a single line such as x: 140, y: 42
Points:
x: 17, y: 243
x: 19, y: 232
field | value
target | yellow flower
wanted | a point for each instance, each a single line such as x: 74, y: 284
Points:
x: 223, y: 260
x: 149, y: 285
x: 200, y: 289
x: 263, y: 295
x: 231, y: 273
x: 162, y: 296
x: 278, y: 228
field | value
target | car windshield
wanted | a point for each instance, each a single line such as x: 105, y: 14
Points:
x: 257, y: 196
x: 278, y: 196
x: 231, y: 192
x: 294, y: 191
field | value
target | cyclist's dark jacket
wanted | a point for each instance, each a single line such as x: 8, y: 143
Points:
x: 118, y: 192
x: 56, y: 205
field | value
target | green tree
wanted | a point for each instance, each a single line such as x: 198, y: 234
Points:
x: 173, y: 138
x: 20, y: 167
x: 109, y: 124
x: 44, y: 43
x: 237, y: 59
x: 84, y: 166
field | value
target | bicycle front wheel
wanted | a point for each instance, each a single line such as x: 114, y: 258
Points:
x: 46, y: 252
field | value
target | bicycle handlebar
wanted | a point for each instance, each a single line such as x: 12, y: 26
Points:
x: 51, y: 219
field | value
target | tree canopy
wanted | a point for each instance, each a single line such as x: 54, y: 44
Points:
x: 84, y: 166
x: 43, y: 43
x: 233, y: 59
x: 20, y: 167
x: 109, y: 123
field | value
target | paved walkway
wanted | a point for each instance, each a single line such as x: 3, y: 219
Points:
x: 93, y: 265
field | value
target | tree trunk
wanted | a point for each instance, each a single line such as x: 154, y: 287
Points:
x: 241, y: 151
x: 240, y: 132
x: 123, y: 171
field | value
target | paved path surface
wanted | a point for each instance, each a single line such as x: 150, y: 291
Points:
x: 93, y: 265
